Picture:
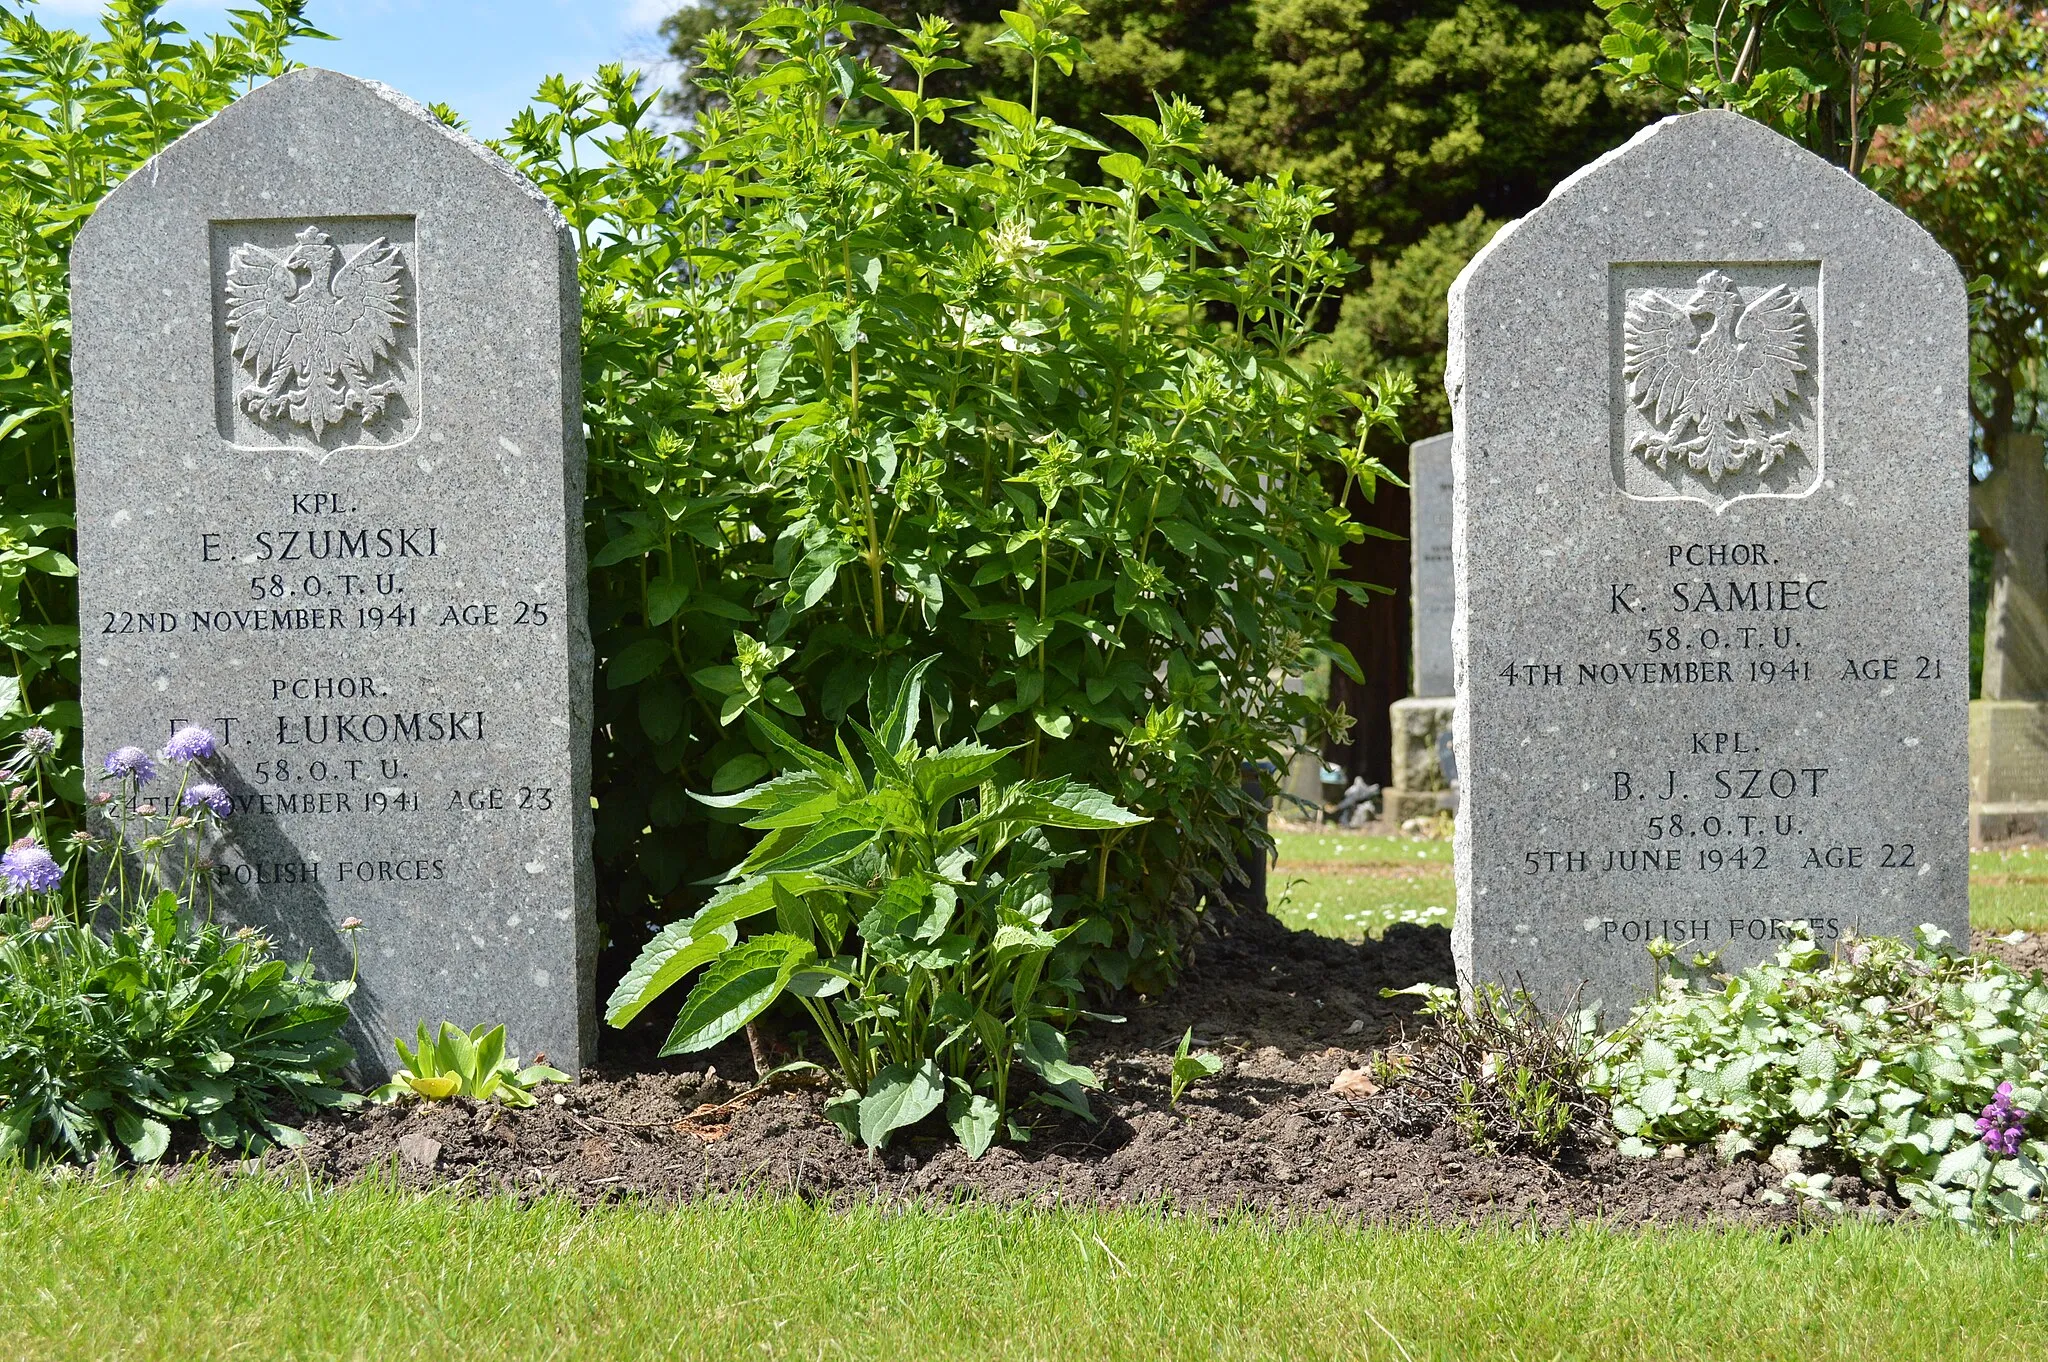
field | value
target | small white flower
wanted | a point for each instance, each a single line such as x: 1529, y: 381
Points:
x: 1012, y: 241
x: 729, y: 390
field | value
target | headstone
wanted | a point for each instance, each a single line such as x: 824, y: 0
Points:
x: 2010, y: 514
x: 2008, y: 770
x: 1429, y: 547
x: 1420, y: 788
x: 1711, y: 445
x: 330, y: 485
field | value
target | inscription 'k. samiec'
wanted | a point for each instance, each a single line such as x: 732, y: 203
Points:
x: 1715, y: 377
x: 313, y: 329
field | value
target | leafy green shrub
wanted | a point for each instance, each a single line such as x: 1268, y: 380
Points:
x: 109, y: 1040
x: 453, y: 1062
x: 77, y: 114
x: 1503, y: 1072
x: 849, y: 403
x: 958, y: 962
x: 1877, y: 1059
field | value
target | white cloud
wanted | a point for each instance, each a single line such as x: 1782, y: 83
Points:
x: 647, y: 14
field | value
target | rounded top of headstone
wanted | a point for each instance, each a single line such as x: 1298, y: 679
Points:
x: 1718, y: 174
x: 299, y: 119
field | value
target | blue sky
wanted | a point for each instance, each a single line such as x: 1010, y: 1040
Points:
x: 484, y: 57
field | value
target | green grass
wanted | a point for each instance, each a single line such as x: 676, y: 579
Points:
x: 1348, y: 885
x: 2009, y: 890
x: 254, y: 1270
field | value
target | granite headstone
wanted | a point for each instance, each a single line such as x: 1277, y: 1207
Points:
x: 1420, y: 788
x: 330, y: 486
x: 1711, y: 452
x: 1429, y: 556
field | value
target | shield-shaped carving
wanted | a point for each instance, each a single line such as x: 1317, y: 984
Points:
x: 1716, y: 381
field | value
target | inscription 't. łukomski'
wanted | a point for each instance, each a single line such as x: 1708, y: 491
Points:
x: 1707, y: 400
x: 330, y: 485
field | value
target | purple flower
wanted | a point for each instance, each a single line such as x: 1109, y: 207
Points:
x: 131, y: 761
x: 190, y: 743
x: 29, y: 869
x: 212, y: 796
x: 2002, y: 1125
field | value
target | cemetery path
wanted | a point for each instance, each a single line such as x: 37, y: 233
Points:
x: 1289, y: 1011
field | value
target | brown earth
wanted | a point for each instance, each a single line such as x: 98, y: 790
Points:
x: 1288, y: 1011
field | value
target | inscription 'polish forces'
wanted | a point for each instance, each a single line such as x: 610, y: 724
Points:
x: 1706, y: 402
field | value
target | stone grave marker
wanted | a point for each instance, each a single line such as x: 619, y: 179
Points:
x: 1429, y: 556
x: 330, y: 485
x: 1711, y: 456
x: 1420, y: 787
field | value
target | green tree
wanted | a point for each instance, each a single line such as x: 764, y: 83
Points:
x: 1971, y: 165
x: 1431, y: 122
x: 850, y: 402
x: 1827, y: 73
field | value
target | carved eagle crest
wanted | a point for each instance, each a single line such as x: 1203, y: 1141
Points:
x: 314, y: 328
x: 1709, y: 363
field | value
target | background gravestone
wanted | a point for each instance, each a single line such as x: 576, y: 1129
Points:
x: 1429, y: 541
x: 330, y: 496
x: 1419, y: 785
x: 1711, y: 453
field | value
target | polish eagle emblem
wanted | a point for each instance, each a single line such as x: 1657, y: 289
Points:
x: 314, y: 328
x: 1710, y: 364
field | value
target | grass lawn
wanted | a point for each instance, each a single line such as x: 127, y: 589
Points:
x: 1349, y: 885
x: 256, y: 1270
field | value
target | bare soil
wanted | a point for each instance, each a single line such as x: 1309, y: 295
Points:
x: 1288, y: 1011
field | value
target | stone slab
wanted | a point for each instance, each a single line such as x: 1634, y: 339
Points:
x: 1431, y: 596
x: 1712, y: 680
x: 2009, y: 752
x: 1418, y: 722
x: 364, y: 574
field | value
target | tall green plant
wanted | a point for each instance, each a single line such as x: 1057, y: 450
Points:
x: 914, y: 918
x: 849, y: 403
x: 77, y: 114
x: 1828, y: 73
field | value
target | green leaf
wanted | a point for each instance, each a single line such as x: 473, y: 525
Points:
x: 661, y: 711
x: 893, y: 708
x: 1068, y: 804
x: 735, y: 990
x: 665, y: 596
x: 672, y: 954
x: 844, y: 1111
x: 636, y: 663
x: 835, y: 840
x: 739, y: 772
x: 899, y: 1097
x: 147, y: 1139
x: 1123, y: 166
x: 945, y: 774
x: 973, y: 1117
x: 1045, y: 1050
x: 1190, y: 1068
